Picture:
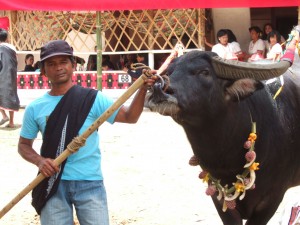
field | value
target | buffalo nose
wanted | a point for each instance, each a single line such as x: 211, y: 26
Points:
x: 157, y: 87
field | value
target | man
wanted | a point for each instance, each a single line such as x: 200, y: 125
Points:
x: 60, y: 115
x: 9, y: 99
x: 135, y: 74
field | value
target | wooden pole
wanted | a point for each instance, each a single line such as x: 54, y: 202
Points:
x: 298, y: 15
x: 120, y: 101
x: 99, y: 50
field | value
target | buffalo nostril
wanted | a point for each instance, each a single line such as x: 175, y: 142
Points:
x: 157, y: 87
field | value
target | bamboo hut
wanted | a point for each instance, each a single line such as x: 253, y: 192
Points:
x: 126, y: 31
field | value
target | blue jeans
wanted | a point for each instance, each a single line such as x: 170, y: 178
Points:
x: 88, y: 198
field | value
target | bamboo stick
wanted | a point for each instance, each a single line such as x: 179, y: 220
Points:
x: 67, y: 152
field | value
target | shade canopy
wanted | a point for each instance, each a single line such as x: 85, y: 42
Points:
x: 51, y: 5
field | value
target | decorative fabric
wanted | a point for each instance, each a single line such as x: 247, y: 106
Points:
x: 8, y: 78
x: 89, y: 80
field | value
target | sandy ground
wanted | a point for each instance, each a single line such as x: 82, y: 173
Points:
x: 147, y: 176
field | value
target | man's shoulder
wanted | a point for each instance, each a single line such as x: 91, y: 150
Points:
x: 6, y: 46
x: 43, y: 99
x: 84, y: 90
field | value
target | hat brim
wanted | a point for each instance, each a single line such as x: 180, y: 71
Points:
x: 56, y: 54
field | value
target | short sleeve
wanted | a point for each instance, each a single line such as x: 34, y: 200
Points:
x: 235, y: 47
x: 29, y: 127
x: 101, y: 104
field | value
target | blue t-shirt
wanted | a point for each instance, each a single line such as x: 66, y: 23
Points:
x: 84, y: 164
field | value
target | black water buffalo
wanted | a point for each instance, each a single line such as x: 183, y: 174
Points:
x: 216, y: 101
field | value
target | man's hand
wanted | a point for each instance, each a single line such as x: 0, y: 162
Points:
x: 47, y: 167
x: 150, y: 81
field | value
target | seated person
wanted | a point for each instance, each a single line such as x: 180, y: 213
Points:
x: 268, y: 27
x: 78, y: 60
x: 29, y: 60
x: 92, y: 61
x: 224, y: 49
x: 37, y: 66
x: 235, y: 45
x: 256, y: 46
x: 106, y: 59
x: 275, y: 49
x: 105, y: 67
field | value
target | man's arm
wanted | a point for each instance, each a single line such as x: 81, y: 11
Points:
x: 132, y: 113
x: 46, y: 165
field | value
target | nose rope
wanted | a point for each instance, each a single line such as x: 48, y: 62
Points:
x: 147, y: 71
x: 166, y: 80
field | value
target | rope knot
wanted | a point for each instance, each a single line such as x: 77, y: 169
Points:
x: 77, y: 143
x: 146, y: 69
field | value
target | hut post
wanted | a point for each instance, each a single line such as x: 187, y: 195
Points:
x: 151, y: 42
x: 299, y: 15
x: 201, y: 28
x: 10, y: 25
x: 99, y: 50
x: 12, y: 16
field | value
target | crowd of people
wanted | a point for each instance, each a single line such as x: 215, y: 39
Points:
x: 265, y: 44
x: 124, y: 63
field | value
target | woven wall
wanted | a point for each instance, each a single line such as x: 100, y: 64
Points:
x: 124, y: 30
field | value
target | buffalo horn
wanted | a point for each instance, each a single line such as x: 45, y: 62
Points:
x: 232, y: 69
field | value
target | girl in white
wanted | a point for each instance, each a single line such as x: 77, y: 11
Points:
x: 275, y: 49
x: 224, y: 49
x: 235, y: 45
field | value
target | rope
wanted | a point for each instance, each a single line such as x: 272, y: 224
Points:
x: 167, y: 82
x: 77, y: 143
x: 147, y: 71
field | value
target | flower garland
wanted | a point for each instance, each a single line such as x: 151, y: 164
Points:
x: 244, y: 182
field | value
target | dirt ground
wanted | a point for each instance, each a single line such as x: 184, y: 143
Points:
x: 147, y: 176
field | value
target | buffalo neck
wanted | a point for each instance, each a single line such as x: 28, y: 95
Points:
x: 219, y: 141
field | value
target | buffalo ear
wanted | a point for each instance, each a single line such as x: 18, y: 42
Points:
x: 242, y: 88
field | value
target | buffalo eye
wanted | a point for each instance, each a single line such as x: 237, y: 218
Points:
x: 204, y: 72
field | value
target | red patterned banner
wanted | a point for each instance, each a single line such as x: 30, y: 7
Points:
x: 109, y: 80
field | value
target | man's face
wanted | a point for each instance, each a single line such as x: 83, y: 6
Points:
x: 58, y: 69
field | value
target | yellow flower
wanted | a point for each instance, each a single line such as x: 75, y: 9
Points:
x: 206, y: 178
x: 254, y: 166
x: 239, y: 187
x: 252, y: 137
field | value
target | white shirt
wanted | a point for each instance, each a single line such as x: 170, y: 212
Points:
x: 259, y: 45
x: 225, y: 52
x: 236, y: 47
x: 274, y: 51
